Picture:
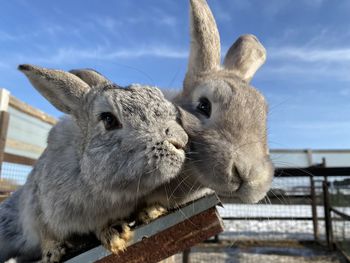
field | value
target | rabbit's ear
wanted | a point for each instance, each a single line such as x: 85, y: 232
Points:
x: 245, y: 57
x: 64, y: 90
x: 91, y: 77
x: 205, y: 40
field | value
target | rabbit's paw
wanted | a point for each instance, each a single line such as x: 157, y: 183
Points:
x: 115, y: 238
x: 53, y: 252
x: 150, y: 213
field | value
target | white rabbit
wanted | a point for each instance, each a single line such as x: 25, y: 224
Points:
x: 117, y: 145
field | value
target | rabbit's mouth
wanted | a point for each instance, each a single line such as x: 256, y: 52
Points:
x: 175, y: 146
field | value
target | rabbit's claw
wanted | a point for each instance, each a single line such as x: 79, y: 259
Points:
x: 53, y: 252
x: 115, y: 238
x: 150, y: 213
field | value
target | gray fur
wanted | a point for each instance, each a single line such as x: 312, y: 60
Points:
x: 91, y: 77
x: 88, y: 176
x: 228, y: 152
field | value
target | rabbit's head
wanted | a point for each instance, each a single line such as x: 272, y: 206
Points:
x: 229, y: 145
x: 128, y: 139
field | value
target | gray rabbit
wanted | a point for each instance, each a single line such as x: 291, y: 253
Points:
x: 228, y: 140
x: 228, y: 150
x: 117, y: 145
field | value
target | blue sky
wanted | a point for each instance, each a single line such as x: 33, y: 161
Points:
x: 306, y: 78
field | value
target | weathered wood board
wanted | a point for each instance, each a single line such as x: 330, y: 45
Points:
x: 165, y: 236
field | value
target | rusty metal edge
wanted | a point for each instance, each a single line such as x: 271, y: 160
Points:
x: 154, y: 227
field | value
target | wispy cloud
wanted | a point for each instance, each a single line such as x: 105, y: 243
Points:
x: 311, y: 54
x: 68, y: 55
x: 107, y: 22
x: 5, y: 36
x: 311, y: 63
x: 314, y: 3
x: 113, y: 24
x: 310, y: 127
x: 51, y: 30
x: 288, y: 69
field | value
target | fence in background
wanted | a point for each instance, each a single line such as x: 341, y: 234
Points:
x: 295, y: 212
x: 293, y: 209
x: 23, y: 133
x: 337, y: 215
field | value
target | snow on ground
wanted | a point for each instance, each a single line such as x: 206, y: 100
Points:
x: 212, y: 253
x: 270, y: 230
x: 251, y: 258
x: 277, y: 229
x: 256, y: 210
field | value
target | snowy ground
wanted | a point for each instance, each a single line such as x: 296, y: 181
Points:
x: 260, y: 254
x: 270, y: 230
x: 242, y: 257
x: 277, y: 229
x: 256, y: 210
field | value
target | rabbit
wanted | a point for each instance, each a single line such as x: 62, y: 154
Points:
x: 228, y: 151
x: 115, y: 146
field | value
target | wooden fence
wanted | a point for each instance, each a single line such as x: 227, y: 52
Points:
x: 17, y: 146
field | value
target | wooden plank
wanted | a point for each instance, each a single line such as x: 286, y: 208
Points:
x: 27, y: 109
x: 173, y: 240
x: 314, y: 208
x: 23, y: 146
x: 3, y: 197
x: 191, y: 223
x: 4, y: 123
x: 13, y: 158
x: 4, y: 99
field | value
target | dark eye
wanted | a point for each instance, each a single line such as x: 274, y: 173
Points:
x: 110, y: 121
x: 204, y: 107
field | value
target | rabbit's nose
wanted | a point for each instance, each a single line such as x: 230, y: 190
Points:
x: 176, y: 136
x: 236, y: 174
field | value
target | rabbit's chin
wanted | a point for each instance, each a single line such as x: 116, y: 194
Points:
x: 247, y: 192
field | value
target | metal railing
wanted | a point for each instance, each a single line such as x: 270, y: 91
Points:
x: 337, y: 222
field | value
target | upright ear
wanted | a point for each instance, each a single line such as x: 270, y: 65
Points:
x: 245, y: 57
x: 64, y: 90
x: 205, y: 41
x: 91, y: 77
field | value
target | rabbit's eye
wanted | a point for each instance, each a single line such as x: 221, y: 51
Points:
x: 204, y: 107
x: 110, y: 121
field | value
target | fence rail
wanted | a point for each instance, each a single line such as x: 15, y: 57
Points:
x: 17, y: 159
x: 29, y: 110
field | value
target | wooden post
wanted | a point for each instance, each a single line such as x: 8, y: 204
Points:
x: 327, y: 216
x: 186, y: 256
x: 216, y: 239
x: 314, y: 207
x: 4, y: 99
x: 309, y: 157
x: 4, y: 121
